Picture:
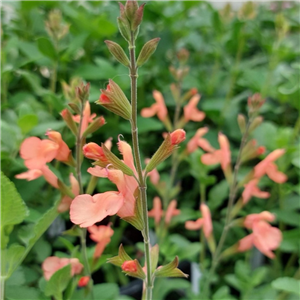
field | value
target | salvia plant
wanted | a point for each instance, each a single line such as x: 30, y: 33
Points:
x: 66, y: 275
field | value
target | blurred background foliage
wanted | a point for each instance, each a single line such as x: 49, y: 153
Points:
x: 233, y: 54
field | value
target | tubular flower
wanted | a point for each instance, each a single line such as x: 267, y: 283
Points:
x: 205, y: 222
x: 32, y: 174
x: 63, y: 151
x: 267, y: 166
x: 159, y: 108
x: 83, y: 281
x: 264, y: 237
x: 66, y: 201
x: 251, y: 190
x: 52, y: 264
x: 86, y: 119
x: 177, y: 136
x: 156, y: 212
x: 101, y: 235
x: 221, y: 156
x: 197, y: 141
x: 36, y: 152
x: 86, y: 210
x: 191, y: 112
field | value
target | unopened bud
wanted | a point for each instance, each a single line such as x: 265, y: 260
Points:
x: 68, y: 118
x: 75, y: 108
x: 129, y: 266
x: 147, y: 50
x: 121, y: 258
x: 183, y: 55
x: 133, y: 268
x: 131, y: 7
x: 95, y: 152
x: 124, y: 28
x: 138, y: 17
x: 189, y: 94
x: 166, y: 149
x: 95, y: 125
x: 256, y: 122
x: 255, y: 102
x: 242, y: 123
x: 83, y: 92
x: 83, y: 281
x: 117, y: 51
x: 114, y: 100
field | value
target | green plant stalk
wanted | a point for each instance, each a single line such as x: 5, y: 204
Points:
x: 232, y: 194
x: 142, y: 182
x: 92, y: 185
x: 78, y: 173
x: 202, y: 237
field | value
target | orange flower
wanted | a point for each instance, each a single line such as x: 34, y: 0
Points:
x: 156, y: 212
x: 267, y: 166
x: 32, y: 174
x: 86, y: 210
x: 251, y: 190
x: 205, y: 222
x: 221, y: 156
x: 264, y: 237
x: 94, y: 151
x: 197, y: 141
x: 191, y: 112
x: 86, y: 119
x: 52, y: 264
x: 36, y: 152
x: 159, y: 108
x: 177, y: 136
x: 63, y: 151
x: 101, y: 235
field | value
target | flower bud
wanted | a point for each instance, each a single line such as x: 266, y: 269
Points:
x: 95, y: 152
x: 74, y: 107
x: 83, y: 281
x: 189, y: 94
x: 256, y: 122
x: 255, y: 102
x: 131, y: 7
x: 138, y: 17
x: 242, y: 123
x: 121, y: 258
x: 129, y: 266
x: 117, y: 51
x: 183, y: 55
x: 147, y: 50
x: 124, y: 28
x: 67, y: 116
x: 166, y: 148
x: 95, y: 125
x: 114, y: 100
x: 83, y: 92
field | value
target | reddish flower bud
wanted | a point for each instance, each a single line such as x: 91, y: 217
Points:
x: 94, y: 151
x: 83, y: 281
x: 177, y: 136
x: 255, y: 102
x: 129, y: 266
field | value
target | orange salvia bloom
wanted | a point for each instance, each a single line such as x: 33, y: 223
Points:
x: 86, y: 119
x: 63, y: 151
x: 251, y: 190
x: 156, y: 212
x: 191, y: 112
x: 129, y: 266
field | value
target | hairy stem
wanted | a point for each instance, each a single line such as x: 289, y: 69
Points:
x: 142, y: 182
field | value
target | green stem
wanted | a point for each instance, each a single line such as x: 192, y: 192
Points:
x: 92, y: 185
x: 136, y: 152
x: 2, y: 281
x: 232, y: 194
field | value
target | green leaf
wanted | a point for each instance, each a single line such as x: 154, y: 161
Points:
x: 27, y: 122
x: 13, y: 209
x: 104, y: 291
x: 22, y: 293
x: 287, y: 284
x: 10, y: 259
x: 47, y: 48
x: 58, y: 282
x: 218, y: 194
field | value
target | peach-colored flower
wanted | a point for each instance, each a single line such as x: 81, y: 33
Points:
x: 52, y: 264
x: 94, y: 151
x: 197, y: 141
x: 264, y: 237
x: 171, y: 211
x: 32, y: 174
x: 86, y: 119
x: 267, y: 166
x: 83, y: 281
x: 221, y: 156
x: 191, y: 112
x: 86, y: 210
x: 159, y: 108
x: 251, y: 190
x: 101, y: 235
x: 156, y: 212
x: 205, y: 222
x: 129, y: 266
x: 66, y: 201
x: 36, y: 152
x: 63, y: 151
